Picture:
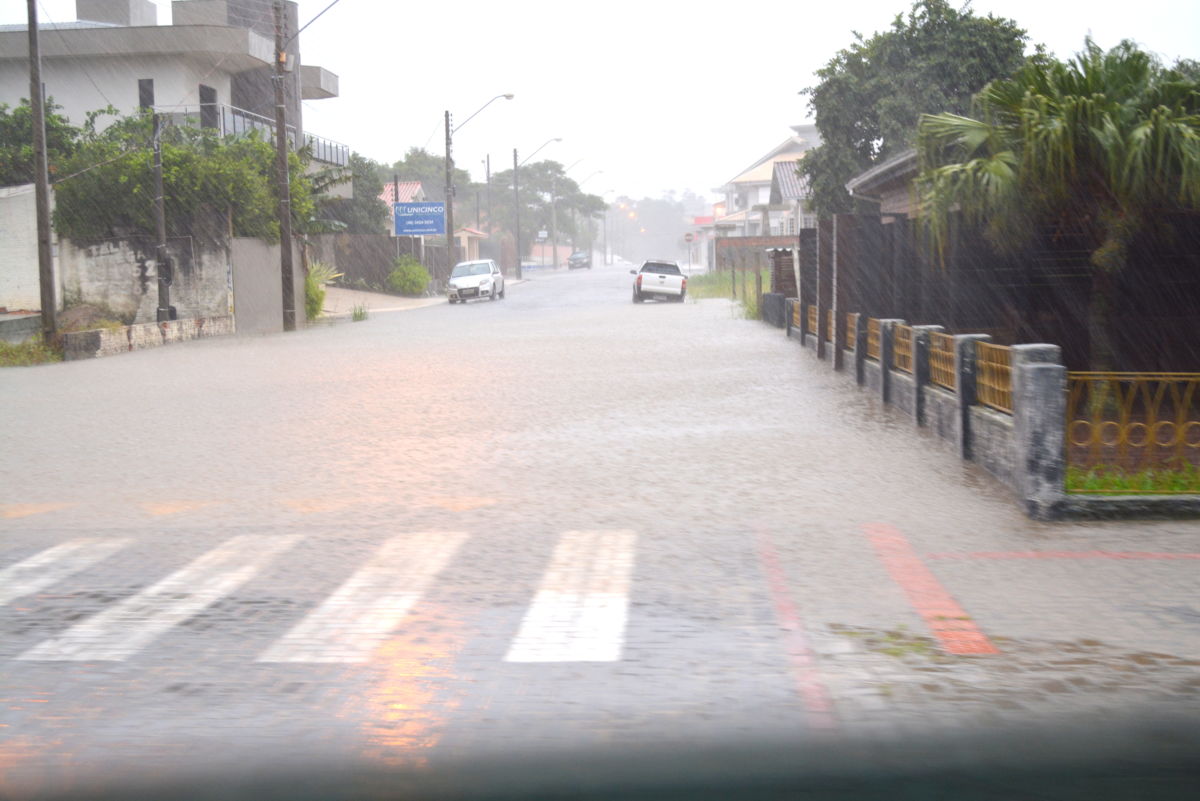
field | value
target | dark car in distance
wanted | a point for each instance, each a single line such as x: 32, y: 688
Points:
x: 579, y: 258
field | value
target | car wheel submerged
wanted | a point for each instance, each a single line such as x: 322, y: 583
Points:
x: 637, y: 296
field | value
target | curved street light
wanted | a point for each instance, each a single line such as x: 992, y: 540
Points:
x: 517, y: 197
x: 535, y: 152
x: 451, y: 247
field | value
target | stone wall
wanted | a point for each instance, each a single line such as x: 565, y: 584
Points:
x: 903, y: 392
x: 992, y: 444
x: 873, y: 376
x: 109, y: 342
x: 20, y: 288
x: 258, y: 287
x: 120, y: 275
x: 941, y: 413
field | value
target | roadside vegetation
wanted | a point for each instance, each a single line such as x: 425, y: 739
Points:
x: 720, y: 285
x: 1185, y: 479
x: 408, y: 277
x: 27, y: 354
x: 319, y: 274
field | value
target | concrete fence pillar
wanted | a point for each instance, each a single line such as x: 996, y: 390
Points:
x: 887, y: 338
x: 860, y: 349
x: 1039, y: 384
x: 920, y: 351
x: 964, y: 383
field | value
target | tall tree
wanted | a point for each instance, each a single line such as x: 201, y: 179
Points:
x: 1104, y: 145
x: 537, y: 180
x: 16, y: 141
x: 871, y: 94
x: 364, y: 212
x: 419, y: 164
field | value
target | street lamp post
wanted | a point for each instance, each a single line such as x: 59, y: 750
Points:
x: 517, y: 196
x: 451, y: 246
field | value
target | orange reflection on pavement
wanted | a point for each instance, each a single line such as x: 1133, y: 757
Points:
x: 410, y: 699
x: 15, y: 510
x: 164, y: 508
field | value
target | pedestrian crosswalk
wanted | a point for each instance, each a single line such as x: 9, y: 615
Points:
x: 577, y: 613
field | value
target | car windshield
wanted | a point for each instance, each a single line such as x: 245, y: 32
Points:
x: 923, y: 455
x: 661, y: 267
x: 471, y: 268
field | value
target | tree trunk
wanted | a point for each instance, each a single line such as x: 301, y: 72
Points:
x: 1100, y: 307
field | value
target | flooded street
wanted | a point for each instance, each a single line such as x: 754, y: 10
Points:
x: 560, y: 520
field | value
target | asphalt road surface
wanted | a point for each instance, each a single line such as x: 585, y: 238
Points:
x: 558, y: 521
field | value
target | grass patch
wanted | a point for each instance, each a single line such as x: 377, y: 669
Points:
x: 1150, y: 481
x: 709, y: 285
x: 27, y: 354
x: 720, y: 285
x: 359, y: 312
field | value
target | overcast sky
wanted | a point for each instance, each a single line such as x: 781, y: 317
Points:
x: 659, y: 95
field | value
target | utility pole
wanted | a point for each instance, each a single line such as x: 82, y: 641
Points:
x: 162, y: 262
x: 281, y: 170
x: 491, y: 221
x: 554, y: 222
x: 451, y: 249
x: 516, y: 211
x: 41, y: 181
x: 395, y: 200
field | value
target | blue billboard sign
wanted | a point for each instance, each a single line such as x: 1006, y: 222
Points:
x: 419, y: 219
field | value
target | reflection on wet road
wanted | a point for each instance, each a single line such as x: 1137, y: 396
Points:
x: 562, y: 520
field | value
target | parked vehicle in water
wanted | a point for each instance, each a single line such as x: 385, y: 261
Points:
x: 475, y: 279
x: 659, y: 279
x: 579, y: 259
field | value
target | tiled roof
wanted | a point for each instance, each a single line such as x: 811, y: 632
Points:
x: 407, y: 192
x: 790, y: 185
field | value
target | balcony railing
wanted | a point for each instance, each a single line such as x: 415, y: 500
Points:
x: 232, y: 121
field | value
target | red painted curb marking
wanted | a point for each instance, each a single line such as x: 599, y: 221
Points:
x: 812, y: 689
x: 945, y: 618
x: 1063, y: 555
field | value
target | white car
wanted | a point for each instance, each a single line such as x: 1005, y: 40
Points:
x: 659, y: 279
x: 475, y: 279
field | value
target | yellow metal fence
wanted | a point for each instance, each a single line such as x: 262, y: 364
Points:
x: 851, y: 330
x: 874, y: 346
x: 993, y: 382
x: 796, y: 315
x: 902, y: 348
x: 830, y: 325
x: 812, y: 320
x: 941, y: 361
x: 1130, y: 422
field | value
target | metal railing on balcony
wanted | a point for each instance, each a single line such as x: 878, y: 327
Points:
x: 874, y: 341
x: 851, y: 330
x: 993, y: 383
x: 941, y: 361
x: 1130, y: 422
x: 902, y: 348
x: 232, y: 121
x: 327, y: 150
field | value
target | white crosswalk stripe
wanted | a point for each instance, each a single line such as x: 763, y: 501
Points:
x: 52, y: 565
x: 580, y: 609
x: 127, y: 627
x: 352, y: 622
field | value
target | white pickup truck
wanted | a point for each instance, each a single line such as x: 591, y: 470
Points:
x: 659, y: 279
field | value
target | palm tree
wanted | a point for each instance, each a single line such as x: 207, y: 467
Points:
x: 1103, y: 144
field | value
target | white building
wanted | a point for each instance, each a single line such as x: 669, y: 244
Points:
x: 212, y: 66
x: 749, y: 210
